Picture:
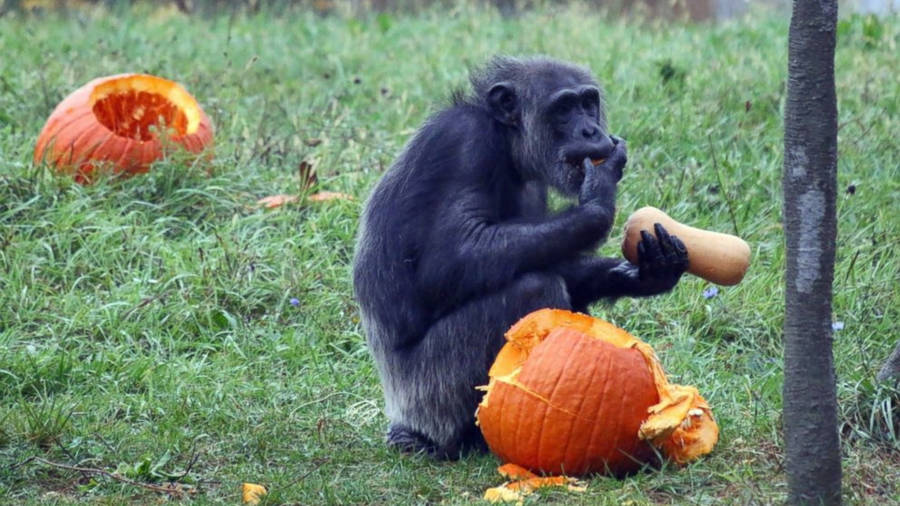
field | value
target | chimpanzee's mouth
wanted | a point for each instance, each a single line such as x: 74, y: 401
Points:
x: 579, y: 166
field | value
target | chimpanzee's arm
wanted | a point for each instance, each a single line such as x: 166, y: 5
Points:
x: 660, y: 264
x: 471, y: 252
x: 477, y: 256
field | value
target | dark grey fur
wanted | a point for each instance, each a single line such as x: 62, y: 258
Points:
x: 456, y: 242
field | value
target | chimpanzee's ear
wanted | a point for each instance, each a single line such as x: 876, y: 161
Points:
x: 504, y: 103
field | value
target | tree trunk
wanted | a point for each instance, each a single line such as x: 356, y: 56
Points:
x: 891, y: 367
x: 812, y: 443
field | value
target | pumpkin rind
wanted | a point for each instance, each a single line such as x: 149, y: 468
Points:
x: 561, y: 424
x: 86, y: 129
x: 573, y: 394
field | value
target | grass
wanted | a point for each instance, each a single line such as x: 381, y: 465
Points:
x: 146, y: 324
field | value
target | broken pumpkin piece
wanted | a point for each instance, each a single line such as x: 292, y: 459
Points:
x: 538, y: 482
x: 573, y: 394
x: 515, y: 472
x: 252, y: 493
x: 682, y: 425
x: 503, y: 494
x: 525, y: 482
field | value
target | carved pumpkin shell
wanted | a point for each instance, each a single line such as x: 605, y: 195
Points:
x: 117, y: 120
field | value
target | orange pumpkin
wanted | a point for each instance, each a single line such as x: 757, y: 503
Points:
x: 118, y: 120
x: 571, y: 394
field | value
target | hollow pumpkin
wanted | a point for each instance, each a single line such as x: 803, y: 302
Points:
x: 572, y: 394
x: 127, y: 121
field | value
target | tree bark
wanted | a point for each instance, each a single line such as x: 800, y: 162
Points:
x: 891, y: 367
x: 812, y: 443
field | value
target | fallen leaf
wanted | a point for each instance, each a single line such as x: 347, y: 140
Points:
x: 324, y: 196
x: 253, y: 493
x: 273, y: 201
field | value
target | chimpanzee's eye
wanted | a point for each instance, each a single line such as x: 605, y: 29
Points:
x: 590, y: 101
x: 562, y: 107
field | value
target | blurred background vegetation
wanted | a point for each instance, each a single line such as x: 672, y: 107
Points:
x: 696, y: 10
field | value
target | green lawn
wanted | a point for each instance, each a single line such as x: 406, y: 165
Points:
x: 146, y: 324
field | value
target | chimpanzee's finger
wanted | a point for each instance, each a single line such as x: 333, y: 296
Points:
x: 588, y: 167
x: 662, y: 235
x: 651, y: 246
x: 679, y: 246
x: 590, y: 183
x: 643, y: 263
x: 615, y: 163
x: 679, y: 253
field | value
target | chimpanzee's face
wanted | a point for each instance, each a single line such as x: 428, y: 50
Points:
x: 556, y: 113
x: 571, y: 120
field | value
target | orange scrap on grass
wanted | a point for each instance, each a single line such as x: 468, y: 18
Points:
x: 515, y: 472
x: 252, y: 493
x: 523, y: 482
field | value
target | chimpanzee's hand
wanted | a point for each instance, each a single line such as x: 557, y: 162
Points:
x: 661, y: 261
x: 616, y: 162
x: 600, y: 181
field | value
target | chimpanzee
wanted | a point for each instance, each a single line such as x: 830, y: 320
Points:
x: 456, y: 241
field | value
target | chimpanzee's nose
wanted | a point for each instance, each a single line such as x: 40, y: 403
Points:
x: 590, y: 132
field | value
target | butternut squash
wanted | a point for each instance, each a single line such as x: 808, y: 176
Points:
x: 718, y: 258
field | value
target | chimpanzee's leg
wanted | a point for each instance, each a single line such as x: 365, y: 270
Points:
x: 431, y: 393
